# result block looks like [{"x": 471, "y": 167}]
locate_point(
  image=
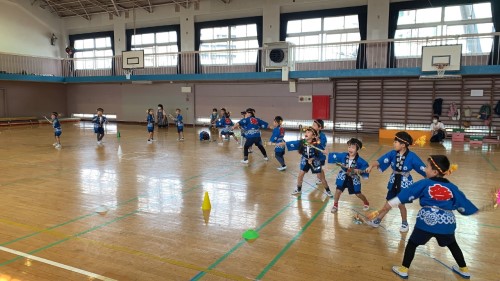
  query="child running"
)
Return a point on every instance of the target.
[
  {"x": 402, "y": 161},
  {"x": 438, "y": 198},
  {"x": 277, "y": 137},
  {"x": 352, "y": 167},
  {"x": 252, "y": 126},
  {"x": 99, "y": 121}
]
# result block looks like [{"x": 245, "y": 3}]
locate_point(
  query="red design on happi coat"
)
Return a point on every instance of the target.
[
  {"x": 254, "y": 121},
  {"x": 440, "y": 193}
]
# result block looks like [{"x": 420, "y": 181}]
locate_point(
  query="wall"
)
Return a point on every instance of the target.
[
  {"x": 130, "y": 101},
  {"x": 34, "y": 99},
  {"x": 28, "y": 30}
]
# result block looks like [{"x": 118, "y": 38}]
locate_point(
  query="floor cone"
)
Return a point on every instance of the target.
[{"x": 206, "y": 202}]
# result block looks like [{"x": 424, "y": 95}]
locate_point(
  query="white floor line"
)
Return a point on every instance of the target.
[{"x": 56, "y": 264}]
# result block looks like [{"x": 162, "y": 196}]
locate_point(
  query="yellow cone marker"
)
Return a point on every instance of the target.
[{"x": 206, "y": 202}]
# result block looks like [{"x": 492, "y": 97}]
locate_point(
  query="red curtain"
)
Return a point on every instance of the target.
[{"x": 321, "y": 107}]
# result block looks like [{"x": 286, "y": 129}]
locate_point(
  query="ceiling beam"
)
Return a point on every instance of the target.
[
  {"x": 53, "y": 4},
  {"x": 150, "y": 7},
  {"x": 105, "y": 8},
  {"x": 142, "y": 7},
  {"x": 116, "y": 8},
  {"x": 226, "y": 1},
  {"x": 85, "y": 10}
]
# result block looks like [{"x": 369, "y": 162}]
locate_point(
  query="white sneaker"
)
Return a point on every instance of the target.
[
  {"x": 266, "y": 158},
  {"x": 150, "y": 142},
  {"x": 462, "y": 271},
  {"x": 372, "y": 223},
  {"x": 244, "y": 161},
  {"x": 296, "y": 192},
  {"x": 220, "y": 143},
  {"x": 99, "y": 143},
  {"x": 366, "y": 207},
  {"x": 281, "y": 168},
  {"x": 401, "y": 271},
  {"x": 329, "y": 193},
  {"x": 58, "y": 146},
  {"x": 404, "y": 228},
  {"x": 334, "y": 209},
  {"x": 54, "y": 144}
]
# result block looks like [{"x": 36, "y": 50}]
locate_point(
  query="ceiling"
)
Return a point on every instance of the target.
[{"x": 87, "y": 8}]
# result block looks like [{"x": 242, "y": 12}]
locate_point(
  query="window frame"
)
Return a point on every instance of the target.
[
  {"x": 442, "y": 24},
  {"x": 94, "y": 36}
]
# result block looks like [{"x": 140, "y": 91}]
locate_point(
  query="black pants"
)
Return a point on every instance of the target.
[{"x": 251, "y": 141}]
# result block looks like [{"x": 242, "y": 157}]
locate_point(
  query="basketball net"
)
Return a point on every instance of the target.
[
  {"x": 441, "y": 69},
  {"x": 127, "y": 73}
]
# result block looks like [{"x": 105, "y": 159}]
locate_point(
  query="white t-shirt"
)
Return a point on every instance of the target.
[{"x": 436, "y": 127}]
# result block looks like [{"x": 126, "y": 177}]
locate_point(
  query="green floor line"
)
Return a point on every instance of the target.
[
  {"x": 489, "y": 162},
  {"x": 70, "y": 237},
  {"x": 291, "y": 242}
]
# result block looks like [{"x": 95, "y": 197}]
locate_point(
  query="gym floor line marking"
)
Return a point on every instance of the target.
[
  {"x": 291, "y": 242},
  {"x": 83, "y": 217},
  {"x": 489, "y": 162},
  {"x": 302, "y": 230},
  {"x": 133, "y": 252},
  {"x": 95, "y": 228},
  {"x": 56, "y": 264},
  {"x": 241, "y": 242}
]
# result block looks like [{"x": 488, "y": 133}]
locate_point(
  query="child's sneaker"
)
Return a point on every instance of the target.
[
  {"x": 401, "y": 271},
  {"x": 182, "y": 139},
  {"x": 54, "y": 144},
  {"x": 149, "y": 142},
  {"x": 58, "y": 146},
  {"x": 404, "y": 227},
  {"x": 266, "y": 158},
  {"x": 329, "y": 193},
  {"x": 296, "y": 192},
  {"x": 220, "y": 143},
  {"x": 244, "y": 161},
  {"x": 462, "y": 271},
  {"x": 281, "y": 168},
  {"x": 366, "y": 207},
  {"x": 373, "y": 223},
  {"x": 334, "y": 209}
]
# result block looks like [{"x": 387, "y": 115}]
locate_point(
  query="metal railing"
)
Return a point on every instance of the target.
[{"x": 335, "y": 56}]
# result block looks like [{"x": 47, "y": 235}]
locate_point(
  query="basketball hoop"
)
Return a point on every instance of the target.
[
  {"x": 440, "y": 68},
  {"x": 127, "y": 73}
]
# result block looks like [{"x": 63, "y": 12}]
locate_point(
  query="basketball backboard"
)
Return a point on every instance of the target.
[
  {"x": 133, "y": 59},
  {"x": 449, "y": 55}
]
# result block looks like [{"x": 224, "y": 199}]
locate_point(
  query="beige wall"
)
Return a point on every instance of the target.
[
  {"x": 130, "y": 101},
  {"x": 34, "y": 99}
]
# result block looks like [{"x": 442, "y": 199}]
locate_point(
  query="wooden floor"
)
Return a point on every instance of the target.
[{"x": 155, "y": 229}]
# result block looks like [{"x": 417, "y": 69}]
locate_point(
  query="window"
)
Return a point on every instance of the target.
[
  {"x": 229, "y": 45},
  {"x": 445, "y": 21},
  {"x": 93, "y": 53},
  {"x": 324, "y": 39},
  {"x": 160, "y": 48}
]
